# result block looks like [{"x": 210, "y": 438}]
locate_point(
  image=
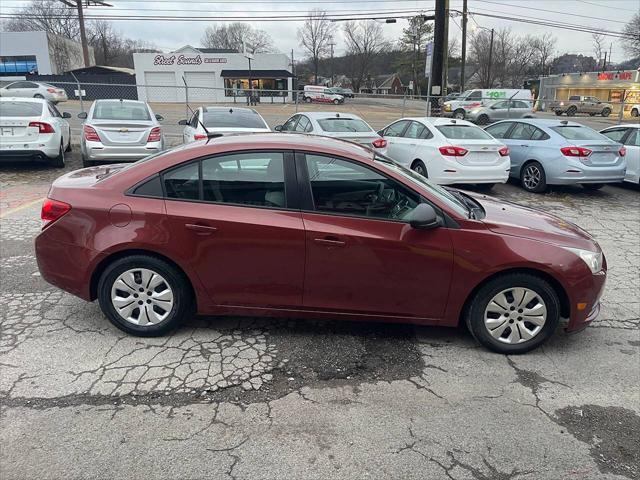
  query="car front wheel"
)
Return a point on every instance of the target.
[
  {"x": 514, "y": 313},
  {"x": 144, "y": 296},
  {"x": 606, "y": 112}
]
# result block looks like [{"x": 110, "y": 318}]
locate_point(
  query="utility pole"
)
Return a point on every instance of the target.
[
  {"x": 490, "y": 60},
  {"x": 464, "y": 44},
  {"x": 438, "y": 83},
  {"x": 332, "y": 44},
  {"x": 83, "y": 34}
]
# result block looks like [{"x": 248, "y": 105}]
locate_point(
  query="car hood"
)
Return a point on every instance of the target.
[{"x": 506, "y": 218}]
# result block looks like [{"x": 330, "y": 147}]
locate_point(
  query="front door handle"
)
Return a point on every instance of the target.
[
  {"x": 524, "y": 145},
  {"x": 330, "y": 241},
  {"x": 200, "y": 229}
]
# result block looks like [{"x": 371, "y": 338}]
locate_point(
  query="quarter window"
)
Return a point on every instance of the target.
[
  {"x": 634, "y": 138},
  {"x": 183, "y": 183},
  {"x": 499, "y": 130},
  {"x": 290, "y": 124},
  {"x": 304, "y": 125}
]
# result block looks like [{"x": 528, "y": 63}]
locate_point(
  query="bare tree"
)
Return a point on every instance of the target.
[
  {"x": 544, "y": 47},
  {"x": 598, "y": 46},
  {"x": 111, "y": 48},
  {"x": 51, "y": 16},
  {"x": 631, "y": 45},
  {"x": 365, "y": 40},
  {"x": 236, "y": 36},
  {"x": 315, "y": 36},
  {"x": 453, "y": 49}
]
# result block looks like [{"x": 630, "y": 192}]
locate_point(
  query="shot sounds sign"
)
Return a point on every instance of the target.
[{"x": 185, "y": 60}]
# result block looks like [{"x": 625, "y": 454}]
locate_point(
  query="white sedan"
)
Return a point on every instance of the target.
[
  {"x": 629, "y": 136},
  {"x": 33, "y": 129},
  {"x": 218, "y": 121},
  {"x": 24, "y": 88},
  {"x": 448, "y": 151}
]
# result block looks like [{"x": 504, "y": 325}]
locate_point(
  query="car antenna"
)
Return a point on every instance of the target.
[
  {"x": 453, "y": 120},
  {"x": 231, "y": 110},
  {"x": 209, "y": 135},
  {"x": 337, "y": 115}
]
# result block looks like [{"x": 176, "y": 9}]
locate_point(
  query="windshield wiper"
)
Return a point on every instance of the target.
[{"x": 466, "y": 203}]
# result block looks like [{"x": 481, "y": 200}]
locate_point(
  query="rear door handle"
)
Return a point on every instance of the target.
[
  {"x": 200, "y": 229},
  {"x": 330, "y": 241}
]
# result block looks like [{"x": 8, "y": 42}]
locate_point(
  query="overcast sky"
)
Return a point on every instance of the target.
[{"x": 169, "y": 35}]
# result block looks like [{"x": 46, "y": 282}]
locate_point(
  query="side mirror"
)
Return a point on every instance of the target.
[
  {"x": 159, "y": 117},
  {"x": 82, "y": 115},
  {"x": 278, "y": 128},
  {"x": 182, "y": 122},
  {"x": 66, "y": 115},
  {"x": 424, "y": 217}
]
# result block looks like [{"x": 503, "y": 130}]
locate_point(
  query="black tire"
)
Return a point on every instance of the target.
[
  {"x": 182, "y": 297},
  {"x": 420, "y": 168},
  {"x": 592, "y": 114},
  {"x": 69, "y": 148},
  {"x": 485, "y": 187},
  {"x": 307, "y": 99},
  {"x": 558, "y": 112},
  {"x": 459, "y": 114},
  {"x": 571, "y": 111},
  {"x": 483, "y": 119},
  {"x": 592, "y": 186},
  {"x": 634, "y": 112},
  {"x": 336, "y": 101},
  {"x": 37, "y": 95},
  {"x": 529, "y": 185},
  {"x": 606, "y": 112},
  {"x": 475, "y": 315},
  {"x": 87, "y": 163},
  {"x": 58, "y": 161}
]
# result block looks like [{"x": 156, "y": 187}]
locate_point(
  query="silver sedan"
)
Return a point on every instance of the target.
[
  {"x": 28, "y": 89},
  {"x": 120, "y": 131},
  {"x": 500, "y": 110}
]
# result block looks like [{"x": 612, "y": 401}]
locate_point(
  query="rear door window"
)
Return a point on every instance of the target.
[
  {"x": 396, "y": 129},
  {"x": 499, "y": 130},
  {"x": 290, "y": 124},
  {"x": 183, "y": 183},
  {"x": 414, "y": 130},
  {"x": 522, "y": 131},
  {"x": 304, "y": 125}
]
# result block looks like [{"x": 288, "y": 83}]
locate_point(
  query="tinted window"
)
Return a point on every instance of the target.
[
  {"x": 255, "y": 179},
  {"x": 291, "y": 123},
  {"x": 500, "y": 105},
  {"x": 194, "y": 120},
  {"x": 463, "y": 132},
  {"x": 11, "y": 86},
  {"x": 475, "y": 95},
  {"x": 499, "y": 130},
  {"x": 634, "y": 138},
  {"x": 615, "y": 135},
  {"x": 150, "y": 188},
  {"x": 20, "y": 109},
  {"x": 230, "y": 118},
  {"x": 539, "y": 135},
  {"x": 396, "y": 129},
  {"x": 183, "y": 182},
  {"x": 522, "y": 131},
  {"x": 121, "y": 111},
  {"x": 414, "y": 130},
  {"x": 304, "y": 125},
  {"x": 574, "y": 132},
  {"x": 346, "y": 188},
  {"x": 344, "y": 125},
  {"x": 519, "y": 104}
]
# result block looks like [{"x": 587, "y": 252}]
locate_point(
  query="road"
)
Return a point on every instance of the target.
[{"x": 264, "y": 398}]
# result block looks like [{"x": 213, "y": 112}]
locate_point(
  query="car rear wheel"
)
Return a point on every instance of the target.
[
  {"x": 514, "y": 313},
  {"x": 336, "y": 101},
  {"x": 571, "y": 111},
  {"x": 87, "y": 163},
  {"x": 58, "y": 161},
  {"x": 483, "y": 119},
  {"x": 307, "y": 99},
  {"x": 420, "y": 168},
  {"x": 459, "y": 114},
  {"x": 144, "y": 296},
  {"x": 533, "y": 178},
  {"x": 593, "y": 186},
  {"x": 606, "y": 112}
]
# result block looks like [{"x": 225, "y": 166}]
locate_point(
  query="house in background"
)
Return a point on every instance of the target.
[{"x": 383, "y": 85}]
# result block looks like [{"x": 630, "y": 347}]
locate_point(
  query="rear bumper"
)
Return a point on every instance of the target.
[
  {"x": 125, "y": 153},
  {"x": 46, "y": 147},
  {"x": 470, "y": 174},
  {"x": 26, "y": 155},
  {"x": 613, "y": 174}
]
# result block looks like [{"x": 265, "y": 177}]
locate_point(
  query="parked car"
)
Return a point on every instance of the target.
[
  {"x": 471, "y": 99},
  {"x": 559, "y": 152},
  {"x": 485, "y": 114},
  {"x": 120, "y": 131},
  {"x": 320, "y": 94},
  {"x": 337, "y": 125},
  {"x": 581, "y": 104},
  {"x": 447, "y": 151},
  {"x": 635, "y": 110},
  {"x": 219, "y": 121},
  {"x": 345, "y": 92},
  {"x": 33, "y": 129},
  {"x": 23, "y": 88},
  {"x": 210, "y": 228},
  {"x": 629, "y": 136}
]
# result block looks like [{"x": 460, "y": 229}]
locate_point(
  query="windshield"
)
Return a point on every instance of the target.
[
  {"x": 576, "y": 132},
  {"x": 20, "y": 109},
  {"x": 232, "y": 119},
  {"x": 463, "y": 132},
  {"x": 121, "y": 111},
  {"x": 464, "y": 94},
  {"x": 344, "y": 125},
  {"x": 436, "y": 190}
]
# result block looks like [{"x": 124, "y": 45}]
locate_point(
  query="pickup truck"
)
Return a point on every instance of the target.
[{"x": 581, "y": 104}]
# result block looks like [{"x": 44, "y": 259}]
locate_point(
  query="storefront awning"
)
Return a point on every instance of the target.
[{"x": 256, "y": 73}]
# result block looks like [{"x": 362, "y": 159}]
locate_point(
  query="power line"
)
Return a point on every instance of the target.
[
  {"x": 607, "y": 6},
  {"x": 551, "y": 11}
]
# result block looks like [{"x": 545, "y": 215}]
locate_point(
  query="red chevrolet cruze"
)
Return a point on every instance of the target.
[{"x": 303, "y": 226}]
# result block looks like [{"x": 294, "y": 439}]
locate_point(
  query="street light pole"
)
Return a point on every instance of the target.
[
  {"x": 83, "y": 34},
  {"x": 464, "y": 44},
  {"x": 332, "y": 44},
  {"x": 490, "y": 60}
]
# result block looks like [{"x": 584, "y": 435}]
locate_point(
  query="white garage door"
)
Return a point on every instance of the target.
[
  {"x": 161, "y": 86},
  {"x": 201, "y": 86}
]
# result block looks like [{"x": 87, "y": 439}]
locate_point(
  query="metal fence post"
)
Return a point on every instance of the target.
[
  {"x": 79, "y": 91},
  {"x": 404, "y": 102},
  {"x": 186, "y": 97},
  {"x": 621, "y": 114}
]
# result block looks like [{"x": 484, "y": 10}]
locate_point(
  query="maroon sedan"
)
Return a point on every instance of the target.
[{"x": 303, "y": 226}]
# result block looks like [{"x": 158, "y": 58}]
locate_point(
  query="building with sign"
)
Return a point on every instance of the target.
[
  {"x": 199, "y": 75},
  {"x": 614, "y": 86}
]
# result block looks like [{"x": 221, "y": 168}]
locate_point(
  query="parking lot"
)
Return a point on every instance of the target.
[{"x": 254, "y": 398}]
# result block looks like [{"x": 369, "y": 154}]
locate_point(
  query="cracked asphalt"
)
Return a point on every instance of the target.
[{"x": 246, "y": 398}]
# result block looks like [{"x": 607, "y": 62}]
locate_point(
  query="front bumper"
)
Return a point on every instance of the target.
[{"x": 588, "y": 292}]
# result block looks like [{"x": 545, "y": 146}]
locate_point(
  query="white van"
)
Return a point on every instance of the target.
[
  {"x": 322, "y": 94},
  {"x": 474, "y": 98}
]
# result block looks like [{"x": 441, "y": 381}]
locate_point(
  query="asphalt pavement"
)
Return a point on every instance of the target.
[{"x": 247, "y": 398}]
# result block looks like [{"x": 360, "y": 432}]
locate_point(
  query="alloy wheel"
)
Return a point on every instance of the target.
[
  {"x": 532, "y": 177},
  {"x": 142, "y": 297},
  {"x": 515, "y": 315},
  {"x": 419, "y": 170}
]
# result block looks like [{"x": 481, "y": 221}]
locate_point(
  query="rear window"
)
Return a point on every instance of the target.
[
  {"x": 20, "y": 109},
  {"x": 463, "y": 132},
  {"x": 232, "y": 119},
  {"x": 121, "y": 111},
  {"x": 344, "y": 125},
  {"x": 575, "y": 132}
]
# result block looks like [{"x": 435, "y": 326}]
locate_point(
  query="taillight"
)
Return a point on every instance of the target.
[
  {"x": 575, "y": 151},
  {"x": 504, "y": 151},
  {"x": 450, "y": 151},
  {"x": 52, "y": 210},
  {"x": 199, "y": 136},
  {"x": 42, "y": 127},
  {"x": 379, "y": 143},
  {"x": 52, "y": 90},
  {"x": 154, "y": 135},
  {"x": 90, "y": 134},
  {"x": 622, "y": 152}
]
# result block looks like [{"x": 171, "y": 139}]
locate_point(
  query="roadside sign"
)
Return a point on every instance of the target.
[
  {"x": 429, "y": 60},
  {"x": 78, "y": 93},
  {"x": 410, "y": 84}
]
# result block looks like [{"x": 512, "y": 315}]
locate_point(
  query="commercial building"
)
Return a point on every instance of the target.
[
  {"x": 208, "y": 75},
  {"x": 39, "y": 52},
  {"x": 612, "y": 86}
]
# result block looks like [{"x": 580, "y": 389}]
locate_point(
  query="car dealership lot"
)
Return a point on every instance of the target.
[{"x": 248, "y": 398}]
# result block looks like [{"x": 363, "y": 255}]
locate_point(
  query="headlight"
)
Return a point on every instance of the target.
[
  {"x": 592, "y": 259},
  {"x": 475, "y": 111}
]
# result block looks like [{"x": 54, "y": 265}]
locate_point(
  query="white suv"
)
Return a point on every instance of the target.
[{"x": 33, "y": 129}]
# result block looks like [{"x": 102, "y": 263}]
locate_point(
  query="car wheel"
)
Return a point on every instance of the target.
[
  {"x": 336, "y": 101},
  {"x": 558, "y": 112},
  {"x": 571, "y": 111},
  {"x": 634, "y": 112},
  {"x": 606, "y": 112},
  {"x": 533, "y": 178},
  {"x": 420, "y": 168},
  {"x": 69, "y": 148},
  {"x": 592, "y": 114},
  {"x": 483, "y": 119},
  {"x": 459, "y": 114},
  {"x": 307, "y": 99},
  {"x": 514, "y": 313},
  {"x": 144, "y": 296},
  {"x": 87, "y": 163},
  {"x": 37, "y": 95},
  {"x": 58, "y": 161},
  {"x": 593, "y": 186}
]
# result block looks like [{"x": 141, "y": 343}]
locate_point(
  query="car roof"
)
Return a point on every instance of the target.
[
  {"x": 323, "y": 115},
  {"x": 435, "y": 121},
  {"x": 123, "y": 100},
  {"x": 544, "y": 122},
  {"x": 622, "y": 125},
  {"x": 229, "y": 109},
  {"x": 23, "y": 99}
]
